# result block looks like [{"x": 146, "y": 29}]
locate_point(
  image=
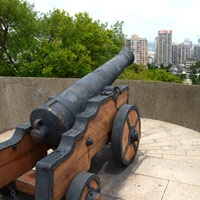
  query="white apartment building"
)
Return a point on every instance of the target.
[
  {"x": 164, "y": 47},
  {"x": 139, "y": 47}
]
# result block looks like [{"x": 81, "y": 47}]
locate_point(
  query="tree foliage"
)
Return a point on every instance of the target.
[
  {"x": 150, "y": 73},
  {"x": 18, "y": 26},
  {"x": 195, "y": 73},
  {"x": 54, "y": 44}
]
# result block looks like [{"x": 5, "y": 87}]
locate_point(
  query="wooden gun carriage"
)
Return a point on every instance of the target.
[{"x": 77, "y": 123}]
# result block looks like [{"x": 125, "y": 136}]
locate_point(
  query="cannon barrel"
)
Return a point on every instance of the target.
[{"x": 57, "y": 115}]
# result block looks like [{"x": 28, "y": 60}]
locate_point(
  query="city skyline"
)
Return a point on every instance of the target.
[{"x": 142, "y": 17}]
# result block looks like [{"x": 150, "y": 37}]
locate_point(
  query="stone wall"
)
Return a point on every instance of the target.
[{"x": 175, "y": 103}]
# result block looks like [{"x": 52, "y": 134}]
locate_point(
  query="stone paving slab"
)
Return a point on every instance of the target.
[
  {"x": 170, "y": 170},
  {"x": 157, "y": 136},
  {"x": 181, "y": 147},
  {"x": 186, "y": 159},
  {"x": 195, "y": 141},
  {"x": 193, "y": 152},
  {"x": 136, "y": 187},
  {"x": 166, "y": 152},
  {"x": 178, "y": 137},
  {"x": 161, "y": 144},
  {"x": 179, "y": 191},
  {"x": 167, "y": 166}
]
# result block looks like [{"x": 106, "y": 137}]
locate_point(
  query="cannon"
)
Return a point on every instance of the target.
[{"x": 76, "y": 124}]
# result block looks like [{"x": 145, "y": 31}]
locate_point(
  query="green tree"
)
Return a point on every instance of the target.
[
  {"x": 152, "y": 74},
  {"x": 151, "y": 66},
  {"x": 166, "y": 67},
  {"x": 195, "y": 73},
  {"x": 136, "y": 68},
  {"x": 70, "y": 46},
  {"x": 18, "y": 27}
]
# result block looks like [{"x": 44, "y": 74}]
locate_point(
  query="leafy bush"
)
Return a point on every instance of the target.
[{"x": 152, "y": 74}]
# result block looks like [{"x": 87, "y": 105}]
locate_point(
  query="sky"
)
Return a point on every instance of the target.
[{"x": 141, "y": 17}]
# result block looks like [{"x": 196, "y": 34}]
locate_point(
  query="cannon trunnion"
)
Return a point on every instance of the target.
[{"x": 106, "y": 118}]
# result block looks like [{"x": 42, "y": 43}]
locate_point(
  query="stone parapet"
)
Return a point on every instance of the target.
[{"x": 174, "y": 103}]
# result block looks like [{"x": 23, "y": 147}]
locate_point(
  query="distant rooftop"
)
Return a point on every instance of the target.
[{"x": 135, "y": 36}]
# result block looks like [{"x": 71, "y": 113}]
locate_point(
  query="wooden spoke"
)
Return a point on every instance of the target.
[
  {"x": 125, "y": 136},
  {"x": 84, "y": 194},
  {"x": 129, "y": 124},
  {"x": 136, "y": 123},
  {"x": 129, "y": 154},
  {"x": 132, "y": 116}
]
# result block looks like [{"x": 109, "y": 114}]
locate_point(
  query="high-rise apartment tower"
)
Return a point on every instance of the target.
[
  {"x": 164, "y": 47},
  {"x": 139, "y": 47},
  {"x": 179, "y": 53}
]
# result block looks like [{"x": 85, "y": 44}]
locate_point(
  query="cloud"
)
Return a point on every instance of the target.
[{"x": 143, "y": 17}]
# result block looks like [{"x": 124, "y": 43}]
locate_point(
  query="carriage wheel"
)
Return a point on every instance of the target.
[
  {"x": 126, "y": 134},
  {"x": 85, "y": 186}
]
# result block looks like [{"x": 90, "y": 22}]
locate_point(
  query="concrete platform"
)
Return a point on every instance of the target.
[{"x": 167, "y": 166}]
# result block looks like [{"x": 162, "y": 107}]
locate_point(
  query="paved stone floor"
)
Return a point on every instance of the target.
[{"x": 167, "y": 166}]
